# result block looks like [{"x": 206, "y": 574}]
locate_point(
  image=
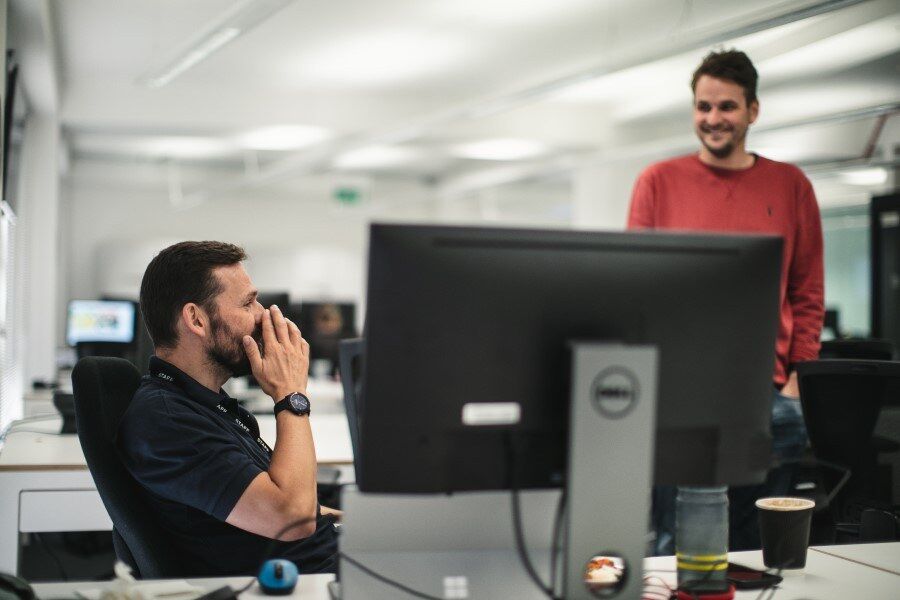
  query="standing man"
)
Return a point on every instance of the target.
[
  {"x": 724, "y": 188},
  {"x": 214, "y": 486}
]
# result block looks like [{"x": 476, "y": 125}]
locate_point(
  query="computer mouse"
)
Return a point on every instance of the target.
[
  {"x": 14, "y": 588},
  {"x": 277, "y": 577}
]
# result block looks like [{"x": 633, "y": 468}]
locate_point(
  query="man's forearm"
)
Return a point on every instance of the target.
[{"x": 293, "y": 466}]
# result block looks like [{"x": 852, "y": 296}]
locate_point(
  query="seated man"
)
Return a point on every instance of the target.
[{"x": 215, "y": 487}]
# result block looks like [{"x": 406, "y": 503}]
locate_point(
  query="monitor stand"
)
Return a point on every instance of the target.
[
  {"x": 462, "y": 545},
  {"x": 611, "y": 433}
]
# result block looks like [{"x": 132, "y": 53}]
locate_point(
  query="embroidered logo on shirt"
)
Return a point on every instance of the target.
[{"x": 162, "y": 375}]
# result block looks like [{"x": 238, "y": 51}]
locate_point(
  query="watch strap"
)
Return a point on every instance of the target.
[{"x": 285, "y": 403}]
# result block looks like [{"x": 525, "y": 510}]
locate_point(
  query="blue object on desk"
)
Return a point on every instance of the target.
[{"x": 278, "y": 577}]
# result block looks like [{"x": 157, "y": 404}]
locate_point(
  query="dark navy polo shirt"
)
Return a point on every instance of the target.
[{"x": 195, "y": 461}]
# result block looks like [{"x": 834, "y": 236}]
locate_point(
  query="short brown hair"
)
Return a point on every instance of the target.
[
  {"x": 730, "y": 65},
  {"x": 180, "y": 274}
]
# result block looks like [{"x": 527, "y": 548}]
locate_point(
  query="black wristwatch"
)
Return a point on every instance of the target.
[{"x": 296, "y": 402}]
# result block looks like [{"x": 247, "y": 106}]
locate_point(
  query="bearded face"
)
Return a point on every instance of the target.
[
  {"x": 722, "y": 116},
  {"x": 227, "y": 348}
]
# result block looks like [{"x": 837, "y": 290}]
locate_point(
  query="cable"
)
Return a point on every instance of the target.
[
  {"x": 396, "y": 584},
  {"x": 383, "y": 579},
  {"x": 773, "y": 587},
  {"x": 59, "y": 565},
  {"x": 246, "y": 587},
  {"x": 273, "y": 542},
  {"x": 556, "y": 546},
  {"x": 11, "y": 428},
  {"x": 521, "y": 547},
  {"x": 39, "y": 417},
  {"x": 653, "y": 591}
]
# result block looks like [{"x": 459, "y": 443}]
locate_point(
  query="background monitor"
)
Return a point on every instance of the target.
[
  {"x": 281, "y": 299},
  {"x": 460, "y": 315},
  {"x": 100, "y": 321},
  {"x": 324, "y": 324}
]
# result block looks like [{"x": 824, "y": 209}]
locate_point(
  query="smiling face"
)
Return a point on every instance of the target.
[
  {"x": 722, "y": 116},
  {"x": 237, "y": 313}
]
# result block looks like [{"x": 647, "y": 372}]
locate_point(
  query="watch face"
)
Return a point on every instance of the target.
[{"x": 299, "y": 403}]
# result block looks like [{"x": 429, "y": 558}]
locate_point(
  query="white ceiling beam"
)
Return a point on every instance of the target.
[
  {"x": 471, "y": 182},
  {"x": 318, "y": 158}
]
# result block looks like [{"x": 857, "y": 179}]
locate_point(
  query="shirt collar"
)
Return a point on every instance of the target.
[{"x": 169, "y": 373}]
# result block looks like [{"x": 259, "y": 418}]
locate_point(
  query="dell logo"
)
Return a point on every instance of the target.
[{"x": 615, "y": 392}]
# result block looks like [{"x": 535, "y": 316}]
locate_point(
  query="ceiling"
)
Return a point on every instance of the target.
[{"x": 441, "y": 90}]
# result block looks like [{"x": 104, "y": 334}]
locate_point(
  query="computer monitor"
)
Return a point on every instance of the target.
[
  {"x": 100, "y": 322},
  {"x": 468, "y": 315},
  {"x": 281, "y": 299}
]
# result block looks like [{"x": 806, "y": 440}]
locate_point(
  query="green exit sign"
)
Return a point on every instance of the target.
[{"x": 347, "y": 195}]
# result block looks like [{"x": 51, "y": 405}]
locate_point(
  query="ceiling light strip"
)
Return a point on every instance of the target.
[{"x": 237, "y": 20}]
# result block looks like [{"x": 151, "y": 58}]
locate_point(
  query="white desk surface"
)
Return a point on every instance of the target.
[
  {"x": 884, "y": 556},
  {"x": 309, "y": 587},
  {"x": 37, "y": 446},
  {"x": 826, "y": 577}
]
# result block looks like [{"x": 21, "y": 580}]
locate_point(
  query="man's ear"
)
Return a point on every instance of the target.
[
  {"x": 754, "y": 111},
  {"x": 195, "y": 320}
]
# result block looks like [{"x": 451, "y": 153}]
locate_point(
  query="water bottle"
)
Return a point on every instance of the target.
[{"x": 701, "y": 538}]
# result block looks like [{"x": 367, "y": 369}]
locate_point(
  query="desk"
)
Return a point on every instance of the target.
[
  {"x": 884, "y": 556},
  {"x": 309, "y": 587},
  {"x": 826, "y": 577},
  {"x": 45, "y": 484}
]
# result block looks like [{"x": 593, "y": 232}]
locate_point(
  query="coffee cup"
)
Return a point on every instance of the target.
[{"x": 784, "y": 528}]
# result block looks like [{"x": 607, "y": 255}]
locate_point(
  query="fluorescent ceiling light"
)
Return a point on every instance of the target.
[
  {"x": 383, "y": 57},
  {"x": 186, "y": 147},
  {"x": 875, "y": 176},
  {"x": 500, "y": 149},
  {"x": 376, "y": 157},
  {"x": 283, "y": 137},
  {"x": 193, "y": 56},
  {"x": 240, "y": 18}
]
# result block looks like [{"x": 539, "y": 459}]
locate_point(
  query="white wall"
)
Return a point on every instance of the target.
[
  {"x": 38, "y": 237},
  {"x": 298, "y": 237}
]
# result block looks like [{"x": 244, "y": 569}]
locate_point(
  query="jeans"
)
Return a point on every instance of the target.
[{"x": 788, "y": 443}]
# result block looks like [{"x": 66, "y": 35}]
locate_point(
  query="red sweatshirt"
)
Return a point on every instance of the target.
[{"x": 769, "y": 197}]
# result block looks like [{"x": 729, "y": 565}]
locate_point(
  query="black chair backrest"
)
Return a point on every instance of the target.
[
  {"x": 858, "y": 349},
  {"x": 351, "y": 356},
  {"x": 842, "y": 400},
  {"x": 103, "y": 388}
]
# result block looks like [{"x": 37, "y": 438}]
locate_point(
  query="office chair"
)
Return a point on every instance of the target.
[
  {"x": 842, "y": 400},
  {"x": 864, "y": 349},
  {"x": 351, "y": 356},
  {"x": 858, "y": 348},
  {"x": 103, "y": 388}
]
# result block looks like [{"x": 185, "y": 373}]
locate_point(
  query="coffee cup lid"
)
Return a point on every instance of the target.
[{"x": 785, "y": 503}]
